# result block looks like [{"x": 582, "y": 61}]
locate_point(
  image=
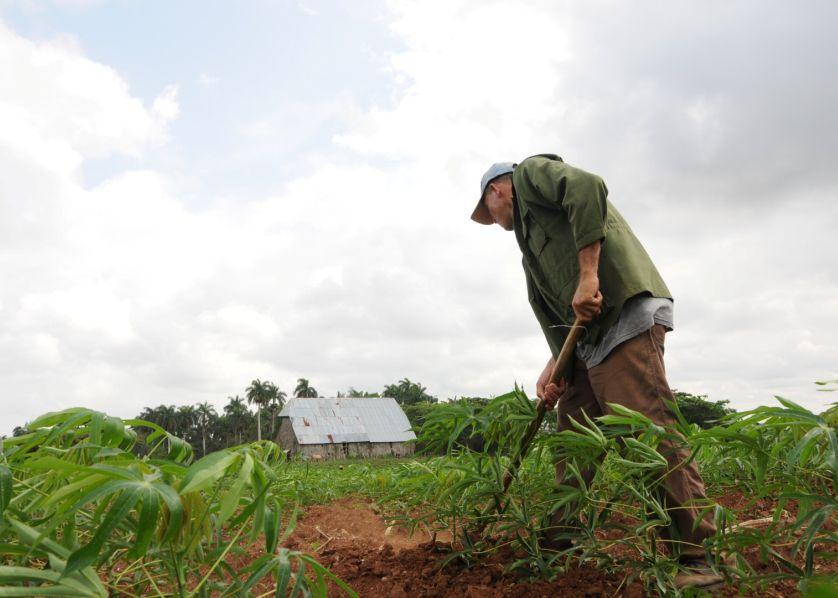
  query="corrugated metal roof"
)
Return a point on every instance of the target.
[{"x": 326, "y": 420}]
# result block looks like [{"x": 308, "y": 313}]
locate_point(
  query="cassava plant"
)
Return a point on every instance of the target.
[
  {"x": 783, "y": 452},
  {"x": 82, "y": 515},
  {"x": 786, "y": 452}
]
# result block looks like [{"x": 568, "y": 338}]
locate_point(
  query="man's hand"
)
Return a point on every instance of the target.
[
  {"x": 587, "y": 301},
  {"x": 547, "y": 391}
]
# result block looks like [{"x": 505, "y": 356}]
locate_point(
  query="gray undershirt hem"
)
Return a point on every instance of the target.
[{"x": 638, "y": 315}]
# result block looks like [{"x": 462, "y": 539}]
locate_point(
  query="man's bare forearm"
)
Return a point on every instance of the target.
[
  {"x": 589, "y": 260},
  {"x": 587, "y": 301}
]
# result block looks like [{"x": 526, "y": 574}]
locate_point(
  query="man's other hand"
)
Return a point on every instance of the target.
[
  {"x": 587, "y": 301},
  {"x": 552, "y": 394},
  {"x": 547, "y": 391}
]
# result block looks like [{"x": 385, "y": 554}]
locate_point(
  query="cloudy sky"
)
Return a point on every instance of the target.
[{"x": 196, "y": 194}]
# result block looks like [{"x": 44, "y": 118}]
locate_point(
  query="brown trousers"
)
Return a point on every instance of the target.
[{"x": 633, "y": 375}]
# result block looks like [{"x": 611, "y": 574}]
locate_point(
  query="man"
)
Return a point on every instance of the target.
[{"x": 581, "y": 260}]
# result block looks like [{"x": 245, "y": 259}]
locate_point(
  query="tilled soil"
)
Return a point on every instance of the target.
[{"x": 376, "y": 560}]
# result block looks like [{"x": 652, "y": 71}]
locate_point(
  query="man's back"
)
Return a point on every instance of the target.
[{"x": 559, "y": 210}]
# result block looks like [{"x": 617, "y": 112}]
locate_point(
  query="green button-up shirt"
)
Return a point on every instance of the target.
[{"x": 559, "y": 210}]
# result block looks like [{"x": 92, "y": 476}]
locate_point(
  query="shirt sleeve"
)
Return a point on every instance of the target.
[
  {"x": 581, "y": 195},
  {"x": 554, "y": 336}
]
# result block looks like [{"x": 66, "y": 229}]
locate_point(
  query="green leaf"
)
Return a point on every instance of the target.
[
  {"x": 258, "y": 569},
  {"x": 321, "y": 570},
  {"x": 62, "y": 587},
  {"x": 55, "y": 418},
  {"x": 14, "y": 550},
  {"x": 73, "y": 487},
  {"x": 96, "y": 428},
  {"x": 86, "y": 555},
  {"x": 272, "y": 523},
  {"x": 64, "y": 466},
  {"x": 176, "y": 511},
  {"x": 5, "y": 488},
  {"x": 39, "y": 576},
  {"x": 147, "y": 523},
  {"x": 301, "y": 579},
  {"x": 646, "y": 451},
  {"x": 292, "y": 524},
  {"x": 178, "y": 450},
  {"x": 113, "y": 431},
  {"x": 93, "y": 497},
  {"x": 234, "y": 494},
  {"x": 823, "y": 587},
  {"x": 283, "y": 576},
  {"x": 207, "y": 470},
  {"x": 34, "y": 538},
  {"x": 803, "y": 448},
  {"x": 791, "y": 405}
]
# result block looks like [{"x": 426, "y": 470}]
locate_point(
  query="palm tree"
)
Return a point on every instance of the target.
[
  {"x": 238, "y": 416},
  {"x": 162, "y": 415},
  {"x": 204, "y": 416},
  {"x": 168, "y": 418},
  {"x": 259, "y": 393},
  {"x": 304, "y": 390},
  {"x": 408, "y": 393},
  {"x": 185, "y": 419},
  {"x": 361, "y": 394},
  {"x": 276, "y": 403}
]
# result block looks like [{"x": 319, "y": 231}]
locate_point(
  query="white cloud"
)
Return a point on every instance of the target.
[
  {"x": 367, "y": 269},
  {"x": 724, "y": 186},
  {"x": 65, "y": 104},
  {"x": 207, "y": 80},
  {"x": 165, "y": 106},
  {"x": 76, "y": 262},
  {"x": 306, "y": 9}
]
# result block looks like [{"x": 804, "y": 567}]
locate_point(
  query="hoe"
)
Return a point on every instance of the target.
[{"x": 562, "y": 363}]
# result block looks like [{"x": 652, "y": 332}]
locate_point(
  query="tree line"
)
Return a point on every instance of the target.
[{"x": 207, "y": 430}]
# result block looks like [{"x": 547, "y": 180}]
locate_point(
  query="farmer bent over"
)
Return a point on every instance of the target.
[{"x": 581, "y": 260}]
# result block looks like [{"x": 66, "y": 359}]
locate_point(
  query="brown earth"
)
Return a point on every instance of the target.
[
  {"x": 379, "y": 560},
  {"x": 376, "y": 560},
  {"x": 355, "y": 543}
]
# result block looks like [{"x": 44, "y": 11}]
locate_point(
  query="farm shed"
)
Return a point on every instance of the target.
[{"x": 345, "y": 427}]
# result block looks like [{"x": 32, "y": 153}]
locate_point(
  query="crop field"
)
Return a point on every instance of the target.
[{"x": 85, "y": 513}]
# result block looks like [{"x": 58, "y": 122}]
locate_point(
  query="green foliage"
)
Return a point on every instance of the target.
[
  {"x": 264, "y": 395},
  {"x": 304, "y": 389},
  {"x": 353, "y": 393},
  {"x": 91, "y": 505},
  {"x": 696, "y": 409},
  {"x": 417, "y": 412},
  {"x": 208, "y": 431},
  {"x": 330, "y": 480},
  {"x": 82, "y": 515},
  {"x": 785, "y": 452},
  {"x": 408, "y": 393},
  {"x": 831, "y": 384}
]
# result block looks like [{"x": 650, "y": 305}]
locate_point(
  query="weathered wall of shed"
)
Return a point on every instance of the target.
[
  {"x": 346, "y": 450},
  {"x": 286, "y": 437}
]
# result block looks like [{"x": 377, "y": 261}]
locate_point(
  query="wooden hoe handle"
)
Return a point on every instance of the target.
[{"x": 562, "y": 363}]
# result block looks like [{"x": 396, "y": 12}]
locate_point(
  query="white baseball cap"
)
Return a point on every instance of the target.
[{"x": 481, "y": 212}]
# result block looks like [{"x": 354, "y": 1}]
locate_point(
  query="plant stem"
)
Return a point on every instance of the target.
[{"x": 219, "y": 559}]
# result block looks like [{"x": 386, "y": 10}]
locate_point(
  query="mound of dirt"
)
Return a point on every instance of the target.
[
  {"x": 377, "y": 560},
  {"x": 349, "y": 522},
  {"x": 356, "y": 544}
]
